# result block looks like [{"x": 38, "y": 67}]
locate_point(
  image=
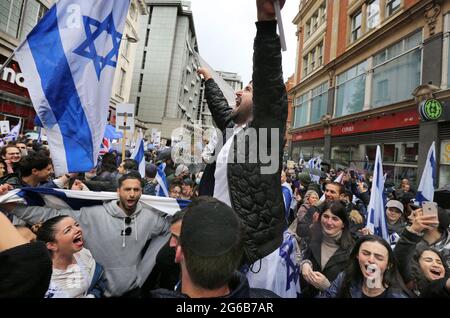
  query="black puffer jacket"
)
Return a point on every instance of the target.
[{"x": 256, "y": 197}]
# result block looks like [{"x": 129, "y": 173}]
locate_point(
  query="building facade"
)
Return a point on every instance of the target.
[
  {"x": 362, "y": 69},
  {"x": 165, "y": 86},
  {"x": 17, "y": 19},
  {"x": 123, "y": 76}
]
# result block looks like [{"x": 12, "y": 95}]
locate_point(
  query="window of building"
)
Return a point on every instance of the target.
[
  {"x": 11, "y": 16},
  {"x": 356, "y": 26},
  {"x": 350, "y": 90},
  {"x": 144, "y": 57},
  {"x": 397, "y": 71},
  {"x": 307, "y": 30},
  {"x": 317, "y": 19},
  {"x": 392, "y": 6},
  {"x": 126, "y": 48},
  {"x": 373, "y": 14},
  {"x": 150, "y": 11},
  {"x": 138, "y": 103},
  {"x": 323, "y": 12},
  {"x": 147, "y": 35},
  {"x": 122, "y": 81},
  {"x": 301, "y": 111},
  {"x": 42, "y": 11},
  {"x": 313, "y": 59},
  {"x": 305, "y": 66},
  {"x": 319, "y": 51},
  {"x": 141, "y": 80},
  {"x": 319, "y": 101}
]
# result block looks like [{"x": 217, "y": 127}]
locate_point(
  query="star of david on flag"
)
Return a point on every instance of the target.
[
  {"x": 70, "y": 58},
  {"x": 88, "y": 49}
]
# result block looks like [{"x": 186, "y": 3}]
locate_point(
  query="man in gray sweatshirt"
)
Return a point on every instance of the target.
[{"x": 122, "y": 235}]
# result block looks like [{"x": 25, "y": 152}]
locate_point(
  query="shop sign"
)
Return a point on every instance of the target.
[
  {"x": 431, "y": 109},
  {"x": 445, "y": 152}
]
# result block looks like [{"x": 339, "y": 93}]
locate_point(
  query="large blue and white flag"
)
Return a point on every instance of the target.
[
  {"x": 278, "y": 271},
  {"x": 425, "y": 192},
  {"x": 138, "y": 155},
  {"x": 376, "y": 217},
  {"x": 161, "y": 188},
  {"x": 63, "y": 199},
  {"x": 69, "y": 59}
]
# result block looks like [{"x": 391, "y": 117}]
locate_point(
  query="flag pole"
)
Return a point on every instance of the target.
[
  {"x": 2, "y": 67},
  {"x": 124, "y": 139}
]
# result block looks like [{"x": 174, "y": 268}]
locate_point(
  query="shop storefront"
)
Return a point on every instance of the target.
[
  {"x": 307, "y": 145},
  {"x": 354, "y": 144},
  {"x": 444, "y": 162},
  {"x": 15, "y": 103}
]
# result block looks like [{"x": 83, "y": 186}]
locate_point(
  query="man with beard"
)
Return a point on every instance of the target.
[
  {"x": 121, "y": 234},
  {"x": 261, "y": 109}
]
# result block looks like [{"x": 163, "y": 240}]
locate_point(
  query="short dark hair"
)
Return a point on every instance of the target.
[
  {"x": 177, "y": 216},
  {"x": 32, "y": 161},
  {"x": 339, "y": 185},
  {"x": 9, "y": 145},
  {"x": 213, "y": 271},
  {"x": 130, "y": 175},
  {"x": 130, "y": 164}
]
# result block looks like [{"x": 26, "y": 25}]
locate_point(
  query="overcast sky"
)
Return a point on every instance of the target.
[{"x": 225, "y": 31}]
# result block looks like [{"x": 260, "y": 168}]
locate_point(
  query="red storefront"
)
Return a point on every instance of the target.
[
  {"x": 352, "y": 141},
  {"x": 15, "y": 102}
]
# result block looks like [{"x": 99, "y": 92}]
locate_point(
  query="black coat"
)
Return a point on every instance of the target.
[
  {"x": 336, "y": 264},
  {"x": 25, "y": 271},
  {"x": 256, "y": 197}
]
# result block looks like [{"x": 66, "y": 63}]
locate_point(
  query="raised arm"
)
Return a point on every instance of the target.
[
  {"x": 217, "y": 103},
  {"x": 269, "y": 92}
]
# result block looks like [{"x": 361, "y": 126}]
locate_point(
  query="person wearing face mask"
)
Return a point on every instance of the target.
[
  {"x": 371, "y": 272},
  {"x": 327, "y": 253},
  {"x": 75, "y": 274}
]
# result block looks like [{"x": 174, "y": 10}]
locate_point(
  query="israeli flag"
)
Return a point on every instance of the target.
[
  {"x": 71, "y": 199},
  {"x": 287, "y": 197},
  {"x": 69, "y": 59},
  {"x": 14, "y": 132},
  {"x": 138, "y": 155},
  {"x": 376, "y": 218},
  {"x": 278, "y": 271},
  {"x": 425, "y": 192},
  {"x": 161, "y": 188}
]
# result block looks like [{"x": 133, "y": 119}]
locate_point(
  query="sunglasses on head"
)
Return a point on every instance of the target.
[{"x": 128, "y": 230}]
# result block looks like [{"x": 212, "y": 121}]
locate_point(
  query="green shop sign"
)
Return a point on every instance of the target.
[{"x": 431, "y": 109}]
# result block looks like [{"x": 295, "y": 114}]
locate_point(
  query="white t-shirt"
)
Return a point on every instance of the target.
[
  {"x": 221, "y": 191},
  {"x": 73, "y": 282}
]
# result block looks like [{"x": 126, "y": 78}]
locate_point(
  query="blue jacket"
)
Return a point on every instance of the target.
[
  {"x": 98, "y": 283},
  {"x": 356, "y": 290}
]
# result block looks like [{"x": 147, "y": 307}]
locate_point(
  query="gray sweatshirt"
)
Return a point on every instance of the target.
[{"x": 121, "y": 256}]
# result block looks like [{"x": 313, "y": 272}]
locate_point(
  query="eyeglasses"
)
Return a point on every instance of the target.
[{"x": 128, "y": 230}]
